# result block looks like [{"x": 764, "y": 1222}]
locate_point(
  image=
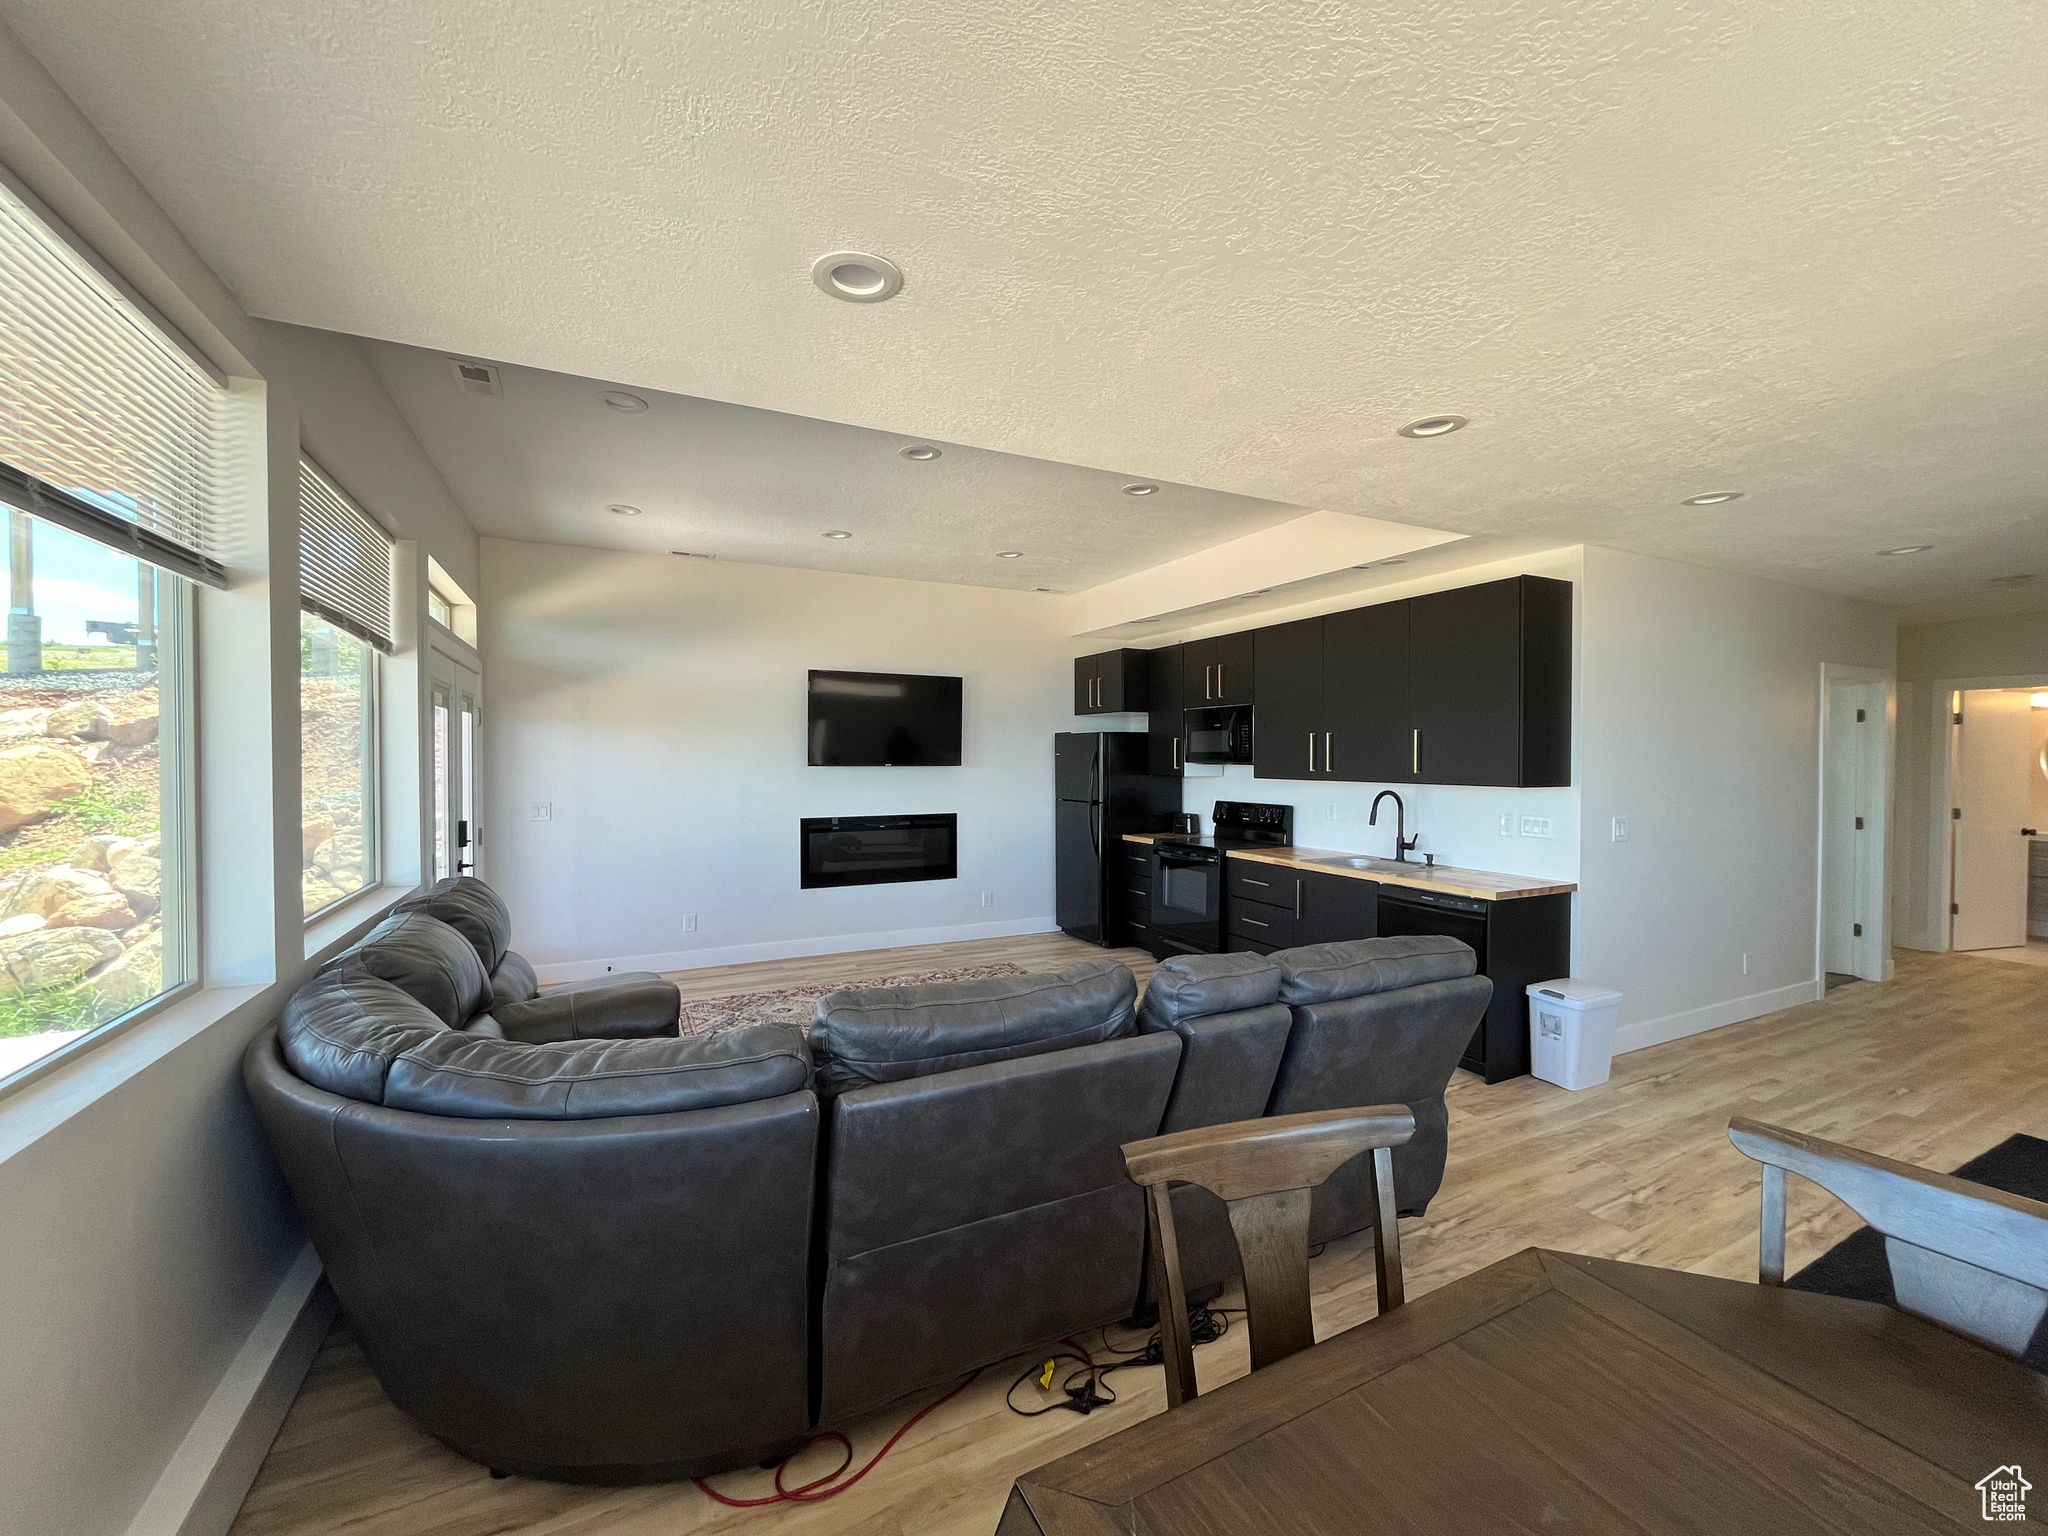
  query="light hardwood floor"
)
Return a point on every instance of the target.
[{"x": 1934, "y": 1067}]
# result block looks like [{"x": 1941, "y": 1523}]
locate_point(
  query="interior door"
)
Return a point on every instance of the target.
[
  {"x": 455, "y": 746},
  {"x": 1365, "y": 695},
  {"x": 1990, "y": 852},
  {"x": 1287, "y": 733},
  {"x": 1852, "y": 836}
]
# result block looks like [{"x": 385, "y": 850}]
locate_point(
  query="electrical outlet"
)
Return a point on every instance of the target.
[
  {"x": 1535, "y": 826},
  {"x": 543, "y": 810},
  {"x": 1621, "y": 829},
  {"x": 1507, "y": 825},
  {"x": 689, "y": 922},
  {"x": 1329, "y": 813},
  {"x": 1745, "y": 962},
  {"x": 988, "y": 898}
]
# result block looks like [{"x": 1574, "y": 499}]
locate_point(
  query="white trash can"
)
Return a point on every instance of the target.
[{"x": 1571, "y": 1031}]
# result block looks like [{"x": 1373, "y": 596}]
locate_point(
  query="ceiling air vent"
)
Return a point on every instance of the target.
[
  {"x": 478, "y": 379},
  {"x": 691, "y": 554}
]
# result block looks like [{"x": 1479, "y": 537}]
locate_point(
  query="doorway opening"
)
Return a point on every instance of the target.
[
  {"x": 1853, "y": 942},
  {"x": 454, "y": 752},
  {"x": 1998, "y": 811}
]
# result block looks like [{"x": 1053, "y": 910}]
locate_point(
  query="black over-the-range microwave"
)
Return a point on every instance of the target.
[{"x": 1219, "y": 735}]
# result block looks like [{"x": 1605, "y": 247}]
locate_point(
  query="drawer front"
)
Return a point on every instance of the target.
[
  {"x": 1259, "y": 922},
  {"x": 1237, "y": 944},
  {"x": 1260, "y": 882}
]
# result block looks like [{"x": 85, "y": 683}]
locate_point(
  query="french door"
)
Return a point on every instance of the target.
[{"x": 455, "y": 744}]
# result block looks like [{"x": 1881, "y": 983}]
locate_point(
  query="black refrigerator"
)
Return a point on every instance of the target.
[{"x": 1101, "y": 790}]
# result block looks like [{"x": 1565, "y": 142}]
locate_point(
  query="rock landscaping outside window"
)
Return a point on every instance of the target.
[
  {"x": 81, "y": 792},
  {"x": 337, "y": 746}
]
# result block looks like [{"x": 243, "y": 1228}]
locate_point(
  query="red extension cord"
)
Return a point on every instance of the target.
[{"x": 818, "y": 1489}]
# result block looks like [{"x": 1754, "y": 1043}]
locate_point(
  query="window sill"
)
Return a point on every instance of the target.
[{"x": 334, "y": 928}]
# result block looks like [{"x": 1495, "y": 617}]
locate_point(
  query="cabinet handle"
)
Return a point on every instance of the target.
[
  {"x": 1095, "y": 691},
  {"x": 1326, "y": 751},
  {"x": 1252, "y": 922},
  {"x": 1208, "y": 682},
  {"x": 1297, "y": 898},
  {"x": 1259, "y": 883},
  {"x": 1219, "y": 680},
  {"x": 1311, "y": 751},
  {"x": 1415, "y": 751},
  {"x": 1176, "y": 754}
]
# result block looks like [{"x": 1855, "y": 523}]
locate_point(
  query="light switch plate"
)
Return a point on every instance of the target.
[
  {"x": 988, "y": 898},
  {"x": 689, "y": 922},
  {"x": 543, "y": 810},
  {"x": 1330, "y": 812},
  {"x": 1507, "y": 825},
  {"x": 1535, "y": 826},
  {"x": 1621, "y": 829}
]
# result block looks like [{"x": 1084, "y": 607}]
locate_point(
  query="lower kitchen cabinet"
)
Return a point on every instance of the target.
[
  {"x": 1268, "y": 907},
  {"x": 1136, "y": 906}
]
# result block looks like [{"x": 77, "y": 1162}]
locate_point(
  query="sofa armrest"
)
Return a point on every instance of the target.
[{"x": 629, "y": 1009}]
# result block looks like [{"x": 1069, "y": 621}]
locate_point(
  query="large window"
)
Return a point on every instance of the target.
[
  {"x": 113, "y": 438},
  {"x": 344, "y": 623}
]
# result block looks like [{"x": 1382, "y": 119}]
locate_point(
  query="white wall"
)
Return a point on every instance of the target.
[
  {"x": 2013, "y": 648},
  {"x": 153, "y": 1277},
  {"x": 1700, "y": 697},
  {"x": 658, "y": 704}
]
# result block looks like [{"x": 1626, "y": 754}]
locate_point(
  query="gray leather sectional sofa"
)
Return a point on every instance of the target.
[{"x": 577, "y": 1246}]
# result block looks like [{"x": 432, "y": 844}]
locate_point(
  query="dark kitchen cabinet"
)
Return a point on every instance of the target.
[
  {"x": 1269, "y": 906},
  {"x": 1218, "y": 670},
  {"x": 1288, "y": 724},
  {"x": 1489, "y": 683},
  {"x": 1164, "y": 744},
  {"x": 1112, "y": 683},
  {"x": 1366, "y": 695},
  {"x": 1331, "y": 908}
]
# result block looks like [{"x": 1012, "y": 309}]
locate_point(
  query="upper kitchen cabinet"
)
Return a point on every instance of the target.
[
  {"x": 1287, "y": 738},
  {"x": 1165, "y": 748},
  {"x": 1113, "y": 683},
  {"x": 1368, "y": 736},
  {"x": 1489, "y": 684},
  {"x": 1218, "y": 670}
]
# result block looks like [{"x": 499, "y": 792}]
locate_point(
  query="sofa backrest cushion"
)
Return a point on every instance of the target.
[
  {"x": 888, "y": 1034},
  {"x": 475, "y": 1077},
  {"x": 427, "y": 960},
  {"x": 1323, "y": 973},
  {"x": 360, "y": 1036},
  {"x": 343, "y": 1029},
  {"x": 473, "y": 910},
  {"x": 1197, "y": 986}
]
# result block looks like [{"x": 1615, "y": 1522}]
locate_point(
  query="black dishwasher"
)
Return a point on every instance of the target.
[{"x": 1517, "y": 941}]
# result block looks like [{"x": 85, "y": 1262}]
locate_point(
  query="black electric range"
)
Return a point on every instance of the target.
[{"x": 1187, "y": 875}]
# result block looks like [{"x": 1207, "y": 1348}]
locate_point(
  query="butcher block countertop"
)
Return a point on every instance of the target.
[{"x": 1480, "y": 884}]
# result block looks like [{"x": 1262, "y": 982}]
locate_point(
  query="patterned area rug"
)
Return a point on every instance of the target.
[{"x": 794, "y": 1005}]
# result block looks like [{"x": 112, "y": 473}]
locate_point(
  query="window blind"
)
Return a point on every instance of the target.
[
  {"x": 344, "y": 560},
  {"x": 106, "y": 425}
]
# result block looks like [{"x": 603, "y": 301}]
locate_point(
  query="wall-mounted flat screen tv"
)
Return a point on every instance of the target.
[{"x": 884, "y": 720}]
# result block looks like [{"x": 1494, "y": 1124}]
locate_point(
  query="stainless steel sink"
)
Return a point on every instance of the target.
[{"x": 1361, "y": 862}]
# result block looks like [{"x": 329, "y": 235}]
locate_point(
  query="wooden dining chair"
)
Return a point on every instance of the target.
[
  {"x": 1264, "y": 1170},
  {"x": 1966, "y": 1256}
]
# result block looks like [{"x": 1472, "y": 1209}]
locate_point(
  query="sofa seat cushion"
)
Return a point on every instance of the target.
[
  {"x": 1323, "y": 973},
  {"x": 889, "y": 1034},
  {"x": 427, "y": 960},
  {"x": 474, "y": 1077},
  {"x": 473, "y": 910},
  {"x": 1197, "y": 986}
]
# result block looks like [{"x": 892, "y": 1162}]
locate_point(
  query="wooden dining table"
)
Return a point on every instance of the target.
[{"x": 1552, "y": 1392}]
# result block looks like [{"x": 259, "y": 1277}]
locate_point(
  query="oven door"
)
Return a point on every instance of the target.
[{"x": 1187, "y": 901}]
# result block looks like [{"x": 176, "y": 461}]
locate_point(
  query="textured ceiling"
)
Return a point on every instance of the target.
[
  {"x": 546, "y": 460},
  {"x": 1651, "y": 247}
]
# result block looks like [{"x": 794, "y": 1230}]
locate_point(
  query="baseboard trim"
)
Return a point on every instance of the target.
[
  {"x": 790, "y": 949},
  {"x": 1697, "y": 1021},
  {"x": 209, "y": 1475}
]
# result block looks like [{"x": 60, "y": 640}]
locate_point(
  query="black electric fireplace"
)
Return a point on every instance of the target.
[{"x": 878, "y": 850}]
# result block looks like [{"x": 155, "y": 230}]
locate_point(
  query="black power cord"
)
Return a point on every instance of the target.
[{"x": 1083, "y": 1390}]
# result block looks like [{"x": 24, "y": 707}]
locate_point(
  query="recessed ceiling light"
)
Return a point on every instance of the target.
[
  {"x": 1434, "y": 426},
  {"x": 924, "y": 453},
  {"x": 1141, "y": 488},
  {"x": 1009, "y": 554},
  {"x": 1711, "y": 499},
  {"x": 1907, "y": 549},
  {"x": 837, "y": 533},
  {"x": 619, "y": 400},
  {"x": 2012, "y": 581},
  {"x": 857, "y": 277},
  {"x": 623, "y": 510}
]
